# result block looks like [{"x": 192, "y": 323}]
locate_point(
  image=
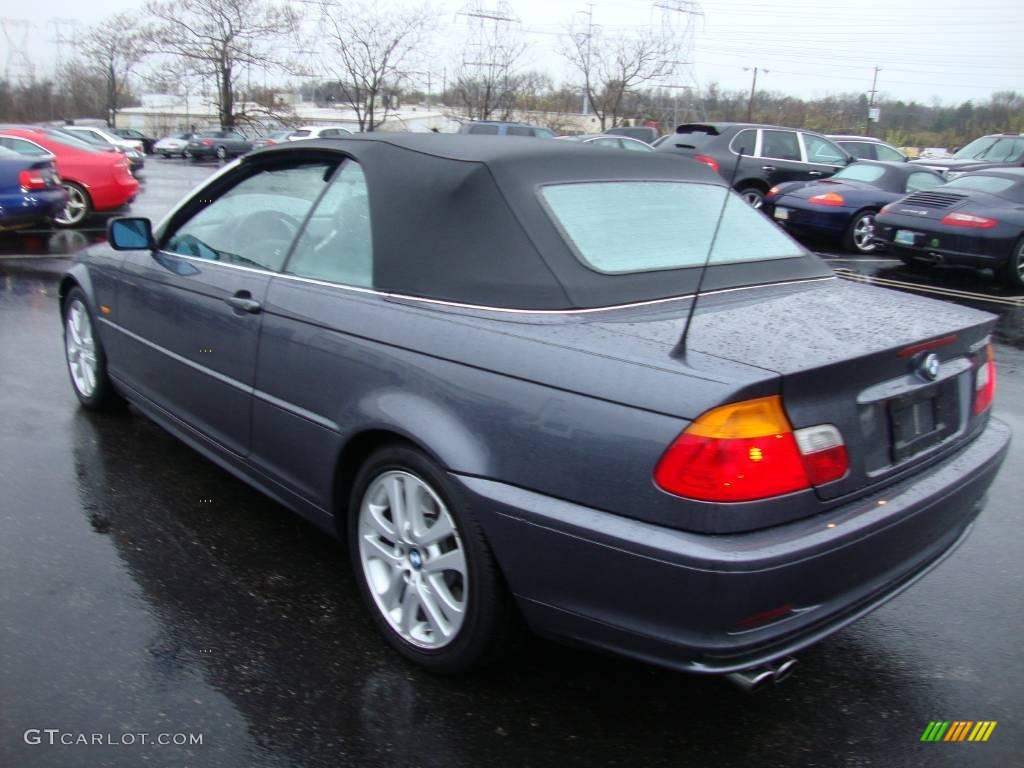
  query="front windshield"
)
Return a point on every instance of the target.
[
  {"x": 69, "y": 140},
  {"x": 638, "y": 226}
]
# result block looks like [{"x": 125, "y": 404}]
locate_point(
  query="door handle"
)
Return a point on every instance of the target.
[
  {"x": 243, "y": 302},
  {"x": 768, "y": 168},
  {"x": 814, "y": 173}
]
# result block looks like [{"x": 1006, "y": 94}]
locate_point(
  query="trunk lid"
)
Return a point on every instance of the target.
[{"x": 854, "y": 356}]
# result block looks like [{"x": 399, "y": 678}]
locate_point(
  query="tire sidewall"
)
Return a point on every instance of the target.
[
  {"x": 851, "y": 243},
  {"x": 483, "y": 590},
  {"x": 103, "y": 393},
  {"x": 1011, "y": 276},
  {"x": 753, "y": 191}
]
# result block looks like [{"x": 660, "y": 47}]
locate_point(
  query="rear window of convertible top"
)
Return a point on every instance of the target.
[{"x": 638, "y": 226}]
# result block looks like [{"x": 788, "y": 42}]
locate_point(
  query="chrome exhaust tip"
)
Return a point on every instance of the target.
[{"x": 754, "y": 680}]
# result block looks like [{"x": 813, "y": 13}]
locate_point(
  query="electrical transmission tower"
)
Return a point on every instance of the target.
[
  {"x": 18, "y": 66},
  {"x": 678, "y": 25},
  {"x": 491, "y": 48}
]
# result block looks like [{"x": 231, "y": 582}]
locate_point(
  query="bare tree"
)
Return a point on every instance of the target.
[
  {"x": 113, "y": 49},
  {"x": 614, "y": 66},
  {"x": 223, "y": 37},
  {"x": 372, "y": 52}
]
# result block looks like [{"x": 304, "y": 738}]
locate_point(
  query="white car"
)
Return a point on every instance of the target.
[
  {"x": 319, "y": 132},
  {"x": 172, "y": 145},
  {"x": 85, "y": 131}
]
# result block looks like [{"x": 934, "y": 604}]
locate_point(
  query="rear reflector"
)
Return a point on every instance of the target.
[
  {"x": 985, "y": 381},
  {"x": 747, "y": 451}
]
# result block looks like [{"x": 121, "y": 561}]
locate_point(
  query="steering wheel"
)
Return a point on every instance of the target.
[{"x": 267, "y": 224}]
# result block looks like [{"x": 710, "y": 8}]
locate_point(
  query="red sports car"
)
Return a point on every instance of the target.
[{"x": 95, "y": 180}]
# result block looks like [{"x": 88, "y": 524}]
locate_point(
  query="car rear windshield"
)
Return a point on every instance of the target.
[
  {"x": 991, "y": 184},
  {"x": 861, "y": 172},
  {"x": 71, "y": 141},
  {"x": 638, "y": 226},
  {"x": 693, "y": 137}
]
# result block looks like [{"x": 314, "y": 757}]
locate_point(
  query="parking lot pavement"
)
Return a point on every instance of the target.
[{"x": 143, "y": 590}]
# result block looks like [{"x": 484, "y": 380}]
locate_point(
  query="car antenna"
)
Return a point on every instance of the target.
[{"x": 680, "y": 348}]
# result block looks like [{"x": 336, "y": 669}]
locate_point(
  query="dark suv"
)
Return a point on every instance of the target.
[
  {"x": 997, "y": 150},
  {"x": 505, "y": 128},
  {"x": 771, "y": 154}
]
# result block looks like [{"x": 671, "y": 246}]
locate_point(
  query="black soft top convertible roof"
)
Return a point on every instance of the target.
[{"x": 459, "y": 218}]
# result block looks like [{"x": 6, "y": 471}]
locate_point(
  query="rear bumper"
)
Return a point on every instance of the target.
[
  {"x": 979, "y": 248},
  {"x": 31, "y": 207},
  {"x": 722, "y": 603},
  {"x": 114, "y": 194}
]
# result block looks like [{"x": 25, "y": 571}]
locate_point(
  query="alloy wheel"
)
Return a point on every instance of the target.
[
  {"x": 76, "y": 208},
  {"x": 80, "y": 348},
  {"x": 753, "y": 198},
  {"x": 222, "y": 153},
  {"x": 413, "y": 559},
  {"x": 864, "y": 233}
]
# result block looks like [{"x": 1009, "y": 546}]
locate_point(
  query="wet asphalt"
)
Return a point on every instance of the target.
[{"x": 143, "y": 590}]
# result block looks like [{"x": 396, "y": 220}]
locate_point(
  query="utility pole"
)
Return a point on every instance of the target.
[
  {"x": 871, "y": 101},
  {"x": 753, "y": 89}
]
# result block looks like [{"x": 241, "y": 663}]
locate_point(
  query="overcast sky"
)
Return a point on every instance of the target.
[{"x": 946, "y": 49}]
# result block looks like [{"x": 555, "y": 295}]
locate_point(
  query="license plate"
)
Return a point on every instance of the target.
[
  {"x": 782, "y": 214},
  {"x": 905, "y": 237},
  {"x": 916, "y": 424}
]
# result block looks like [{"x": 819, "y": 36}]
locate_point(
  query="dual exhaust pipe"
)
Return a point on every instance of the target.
[{"x": 753, "y": 680}]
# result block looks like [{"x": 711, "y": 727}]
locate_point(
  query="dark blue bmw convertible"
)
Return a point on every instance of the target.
[{"x": 500, "y": 371}]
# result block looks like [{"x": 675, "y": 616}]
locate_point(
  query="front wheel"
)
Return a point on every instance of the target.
[
  {"x": 423, "y": 566},
  {"x": 1013, "y": 270},
  {"x": 79, "y": 206},
  {"x": 87, "y": 362},
  {"x": 222, "y": 154},
  {"x": 860, "y": 235}
]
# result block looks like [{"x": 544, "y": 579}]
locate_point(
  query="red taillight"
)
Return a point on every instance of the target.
[
  {"x": 968, "y": 220},
  {"x": 985, "y": 381},
  {"x": 747, "y": 451},
  {"x": 774, "y": 191},
  {"x": 207, "y": 142},
  {"x": 710, "y": 162},
  {"x": 29, "y": 180},
  {"x": 829, "y": 198}
]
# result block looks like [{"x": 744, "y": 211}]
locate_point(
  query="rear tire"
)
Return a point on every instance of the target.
[
  {"x": 78, "y": 208},
  {"x": 85, "y": 357},
  {"x": 753, "y": 196},
  {"x": 447, "y": 620},
  {"x": 859, "y": 235},
  {"x": 222, "y": 154},
  {"x": 1013, "y": 270}
]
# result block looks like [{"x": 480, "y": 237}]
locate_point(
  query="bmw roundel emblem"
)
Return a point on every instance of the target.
[
  {"x": 929, "y": 368},
  {"x": 415, "y": 559}
]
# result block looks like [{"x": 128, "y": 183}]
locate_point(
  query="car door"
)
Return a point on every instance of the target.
[
  {"x": 313, "y": 354},
  {"x": 824, "y": 158},
  {"x": 781, "y": 158},
  {"x": 236, "y": 143},
  {"x": 190, "y": 311}
]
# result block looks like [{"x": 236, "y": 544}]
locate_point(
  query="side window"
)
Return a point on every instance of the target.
[
  {"x": 636, "y": 146},
  {"x": 519, "y": 130},
  {"x": 491, "y": 129},
  {"x": 613, "y": 143},
  {"x": 337, "y": 243},
  {"x": 860, "y": 149},
  {"x": 781, "y": 145},
  {"x": 543, "y": 133},
  {"x": 254, "y": 222},
  {"x": 888, "y": 153},
  {"x": 21, "y": 146},
  {"x": 236, "y": 136},
  {"x": 821, "y": 150},
  {"x": 745, "y": 140},
  {"x": 918, "y": 181}
]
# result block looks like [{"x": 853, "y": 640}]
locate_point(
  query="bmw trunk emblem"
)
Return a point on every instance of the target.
[{"x": 929, "y": 368}]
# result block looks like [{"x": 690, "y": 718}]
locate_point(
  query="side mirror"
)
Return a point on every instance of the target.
[{"x": 130, "y": 234}]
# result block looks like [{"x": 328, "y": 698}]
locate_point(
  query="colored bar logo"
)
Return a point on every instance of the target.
[{"x": 958, "y": 730}]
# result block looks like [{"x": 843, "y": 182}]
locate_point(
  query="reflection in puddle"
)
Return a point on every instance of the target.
[{"x": 61, "y": 242}]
